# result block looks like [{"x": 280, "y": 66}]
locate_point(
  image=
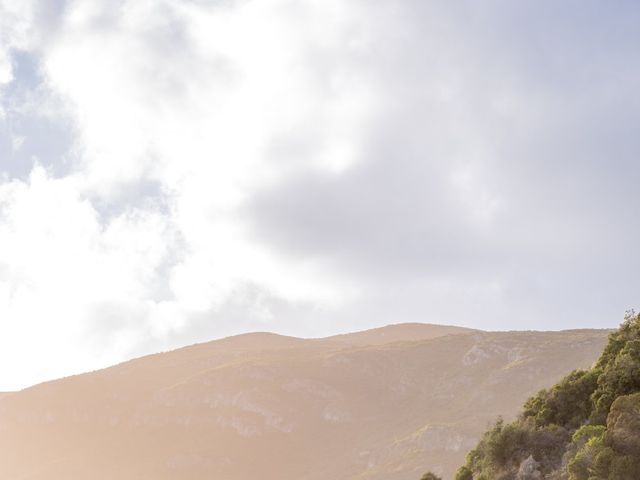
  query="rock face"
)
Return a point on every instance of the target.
[
  {"x": 529, "y": 470},
  {"x": 384, "y": 404}
]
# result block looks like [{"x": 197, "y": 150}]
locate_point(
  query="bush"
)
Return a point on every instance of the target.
[
  {"x": 430, "y": 476},
  {"x": 568, "y": 403},
  {"x": 464, "y": 473}
]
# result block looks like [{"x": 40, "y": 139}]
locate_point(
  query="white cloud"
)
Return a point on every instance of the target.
[
  {"x": 58, "y": 262},
  {"x": 192, "y": 99},
  {"x": 305, "y": 167}
]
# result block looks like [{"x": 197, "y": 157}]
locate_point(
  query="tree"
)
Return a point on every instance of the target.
[
  {"x": 464, "y": 473},
  {"x": 430, "y": 476}
]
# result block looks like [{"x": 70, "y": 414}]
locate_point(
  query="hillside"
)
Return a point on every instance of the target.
[
  {"x": 586, "y": 427},
  {"x": 384, "y": 404}
]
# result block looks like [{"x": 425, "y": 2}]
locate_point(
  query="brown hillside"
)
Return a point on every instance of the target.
[{"x": 384, "y": 404}]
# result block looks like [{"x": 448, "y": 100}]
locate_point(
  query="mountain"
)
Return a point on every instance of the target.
[
  {"x": 387, "y": 404},
  {"x": 585, "y": 427}
]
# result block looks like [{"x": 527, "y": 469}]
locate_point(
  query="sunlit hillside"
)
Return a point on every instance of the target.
[{"x": 385, "y": 404}]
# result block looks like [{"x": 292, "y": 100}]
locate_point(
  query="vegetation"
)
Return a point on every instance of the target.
[
  {"x": 430, "y": 476},
  {"x": 586, "y": 427}
]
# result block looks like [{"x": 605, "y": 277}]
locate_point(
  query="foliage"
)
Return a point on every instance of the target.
[
  {"x": 612, "y": 451},
  {"x": 621, "y": 370},
  {"x": 568, "y": 403},
  {"x": 464, "y": 473},
  {"x": 586, "y": 427},
  {"x": 430, "y": 476}
]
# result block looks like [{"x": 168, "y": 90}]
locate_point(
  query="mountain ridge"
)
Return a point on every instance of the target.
[{"x": 307, "y": 409}]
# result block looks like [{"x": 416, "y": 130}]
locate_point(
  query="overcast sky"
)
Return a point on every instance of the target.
[{"x": 173, "y": 171}]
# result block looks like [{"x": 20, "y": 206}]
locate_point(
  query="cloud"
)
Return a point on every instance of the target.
[
  {"x": 58, "y": 262},
  {"x": 497, "y": 174},
  {"x": 136, "y": 239},
  {"x": 173, "y": 171}
]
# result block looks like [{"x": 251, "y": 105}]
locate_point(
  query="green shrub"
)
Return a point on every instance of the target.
[
  {"x": 568, "y": 403},
  {"x": 430, "y": 476},
  {"x": 464, "y": 473}
]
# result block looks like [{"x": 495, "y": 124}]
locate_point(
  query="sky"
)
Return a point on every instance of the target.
[{"x": 175, "y": 171}]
